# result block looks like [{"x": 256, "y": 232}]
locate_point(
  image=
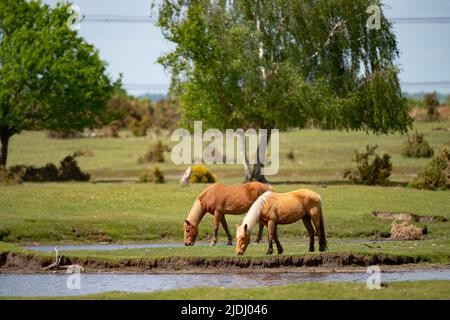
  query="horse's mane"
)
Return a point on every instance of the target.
[
  {"x": 253, "y": 214},
  {"x": 196, "y": 214}
]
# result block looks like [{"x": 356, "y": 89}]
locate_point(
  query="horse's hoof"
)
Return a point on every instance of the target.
[
  {"x": 212, "y": 244},
  {"x": 280, "y": 252},
  {"x": 229, "y": 243},
  {"x": 269, "y": 253}
]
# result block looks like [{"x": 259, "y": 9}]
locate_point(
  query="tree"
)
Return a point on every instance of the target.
[
  {"x": 50, "y": 78},
  {"x": 283, "y": 64}
]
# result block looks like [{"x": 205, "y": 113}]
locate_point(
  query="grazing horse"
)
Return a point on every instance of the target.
[
  {"x": 272, "y": 209},
  {"x": 220, "y": 200}
]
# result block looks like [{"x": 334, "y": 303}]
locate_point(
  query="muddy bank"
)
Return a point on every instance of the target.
[{"x": 22, "y": 262}]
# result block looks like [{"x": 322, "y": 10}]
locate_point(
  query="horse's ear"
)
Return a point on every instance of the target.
[
  {"x": 187, "y": 222},
  {"x": 237, "y": 226},
  {"x": 245, "y": 227}
]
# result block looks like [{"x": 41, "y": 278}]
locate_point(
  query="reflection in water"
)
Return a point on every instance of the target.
[{"x": 55, "y": 284}]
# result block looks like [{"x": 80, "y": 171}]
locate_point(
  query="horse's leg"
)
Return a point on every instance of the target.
[
  {"x": 271, "y": 228},
  {"x": 307, "y": 222},
  {"x": 216, "y": 223},
  {"x": 277, "y": 242},
  {"x": 225, "y": 227},
  {"x": 315, "y": 216},
  {"x": 260, "y": 233}
]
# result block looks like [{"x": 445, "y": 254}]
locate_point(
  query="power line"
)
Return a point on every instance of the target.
[
  {"x": 91, "y": 18},
  {"x": 165, "y": 86}
]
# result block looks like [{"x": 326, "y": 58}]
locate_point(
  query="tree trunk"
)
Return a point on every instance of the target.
[
  {"x": 5, "y": 134},
  {"x": 248, "y": 173},
  {"x": 257, "y": 175}
]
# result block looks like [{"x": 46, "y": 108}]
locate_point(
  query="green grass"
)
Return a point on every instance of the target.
[
  {"x": 420, "y": 290},
  {"x": 319, "y": 154},
  {"x": 86, "y": 212}
]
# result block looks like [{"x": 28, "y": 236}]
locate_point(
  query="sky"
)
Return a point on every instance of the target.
[{"x": 132, "y": 49}]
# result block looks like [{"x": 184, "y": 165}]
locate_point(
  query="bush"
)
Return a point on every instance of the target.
[
  {"x": 47, "y": 173},
  {"x": 291, "y": 155},
  {"x": 4, "y": 233},
  {"x": 139, "y": 127},
  {"x": 417, "y": 147},
  {"x": 8, "y": 177},
  {"x": 155, "y": 154},
  {"x": 432, "y": 105},
  {"x": 371, "y": 169},
  {"x": 436, "y": 174},
  {"x": 155, "y": 175},
  {"x": 201, "y": 174},
  {"x": 67, "y": 171}
]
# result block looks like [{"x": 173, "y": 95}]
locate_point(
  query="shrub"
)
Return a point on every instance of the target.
[
  {"x": 417, "y": 147},
  {"x": 436, "y": 174},
  {"x": 201, "y": 174},
  {"x": 49, "y": 172},
  {"x": 67, "y": 171},
  {"x": 155, "y": 154},
  {"x": 4, "y": 232},
  {"x": 155, "y": 175},
  {"x": 291, "y": 155},
  {"x": 432, "y": 106},
  {"x": 8, "y": 177},
  {"x": 139, "y": 127},
  {"x": 371, "y": 169}
]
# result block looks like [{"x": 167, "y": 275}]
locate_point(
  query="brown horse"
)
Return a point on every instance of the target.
[
  {"x": 272, "y": 209},
  {"x": 220, "y": 200}
]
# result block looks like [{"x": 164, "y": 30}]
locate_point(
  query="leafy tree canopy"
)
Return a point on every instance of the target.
[
  {"x": 50, "y": 78},
  {"x": 283, "y": 64}
]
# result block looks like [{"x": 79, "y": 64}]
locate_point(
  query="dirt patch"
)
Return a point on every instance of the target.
[
  {"x": 21, "y": 262},
  {"x": 406, "y": 216},
  {"x": 406, "y": 231}
]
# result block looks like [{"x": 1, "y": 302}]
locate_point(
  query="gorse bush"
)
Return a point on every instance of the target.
[
  {"x": 47, "y": 173},
  {"x": 8, "y": 177},
  {"x": 155, "y": 154},
  {"x": 371, "y": 169},
  {"x": 436, "y": 174},
  {"x": 4, "y": 232},
  {"x": 155, "y": 175},
  {"x": 417, "y": 147},
  {"x": 201, "y": 174},
  {"x": 432, "y": 106},
  {"x": 68, "y": 171},
  {"x": 291, "y": 155}
]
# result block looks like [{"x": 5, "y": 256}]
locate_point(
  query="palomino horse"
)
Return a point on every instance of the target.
[
  {"x": 272, "y": 209},
  {"x": 220, "y": 200}
]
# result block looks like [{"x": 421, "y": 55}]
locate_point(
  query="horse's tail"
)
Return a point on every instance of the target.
[{"x": 322, "y": 240}]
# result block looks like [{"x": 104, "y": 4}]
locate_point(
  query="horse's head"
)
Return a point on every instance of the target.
[
  {"x": 190, "y": 233},
  {"x": 242, "y": 239}
]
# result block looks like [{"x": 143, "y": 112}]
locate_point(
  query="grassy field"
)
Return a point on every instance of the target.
[
  {"x": 420, "y": 290},
  {"x": 86, "y": 212},
  {"x": 93, "y": 212},
  {"x": 318, "y": 154}
]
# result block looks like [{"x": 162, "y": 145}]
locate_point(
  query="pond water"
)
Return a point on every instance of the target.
[{"x": 56, "y": 284}]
